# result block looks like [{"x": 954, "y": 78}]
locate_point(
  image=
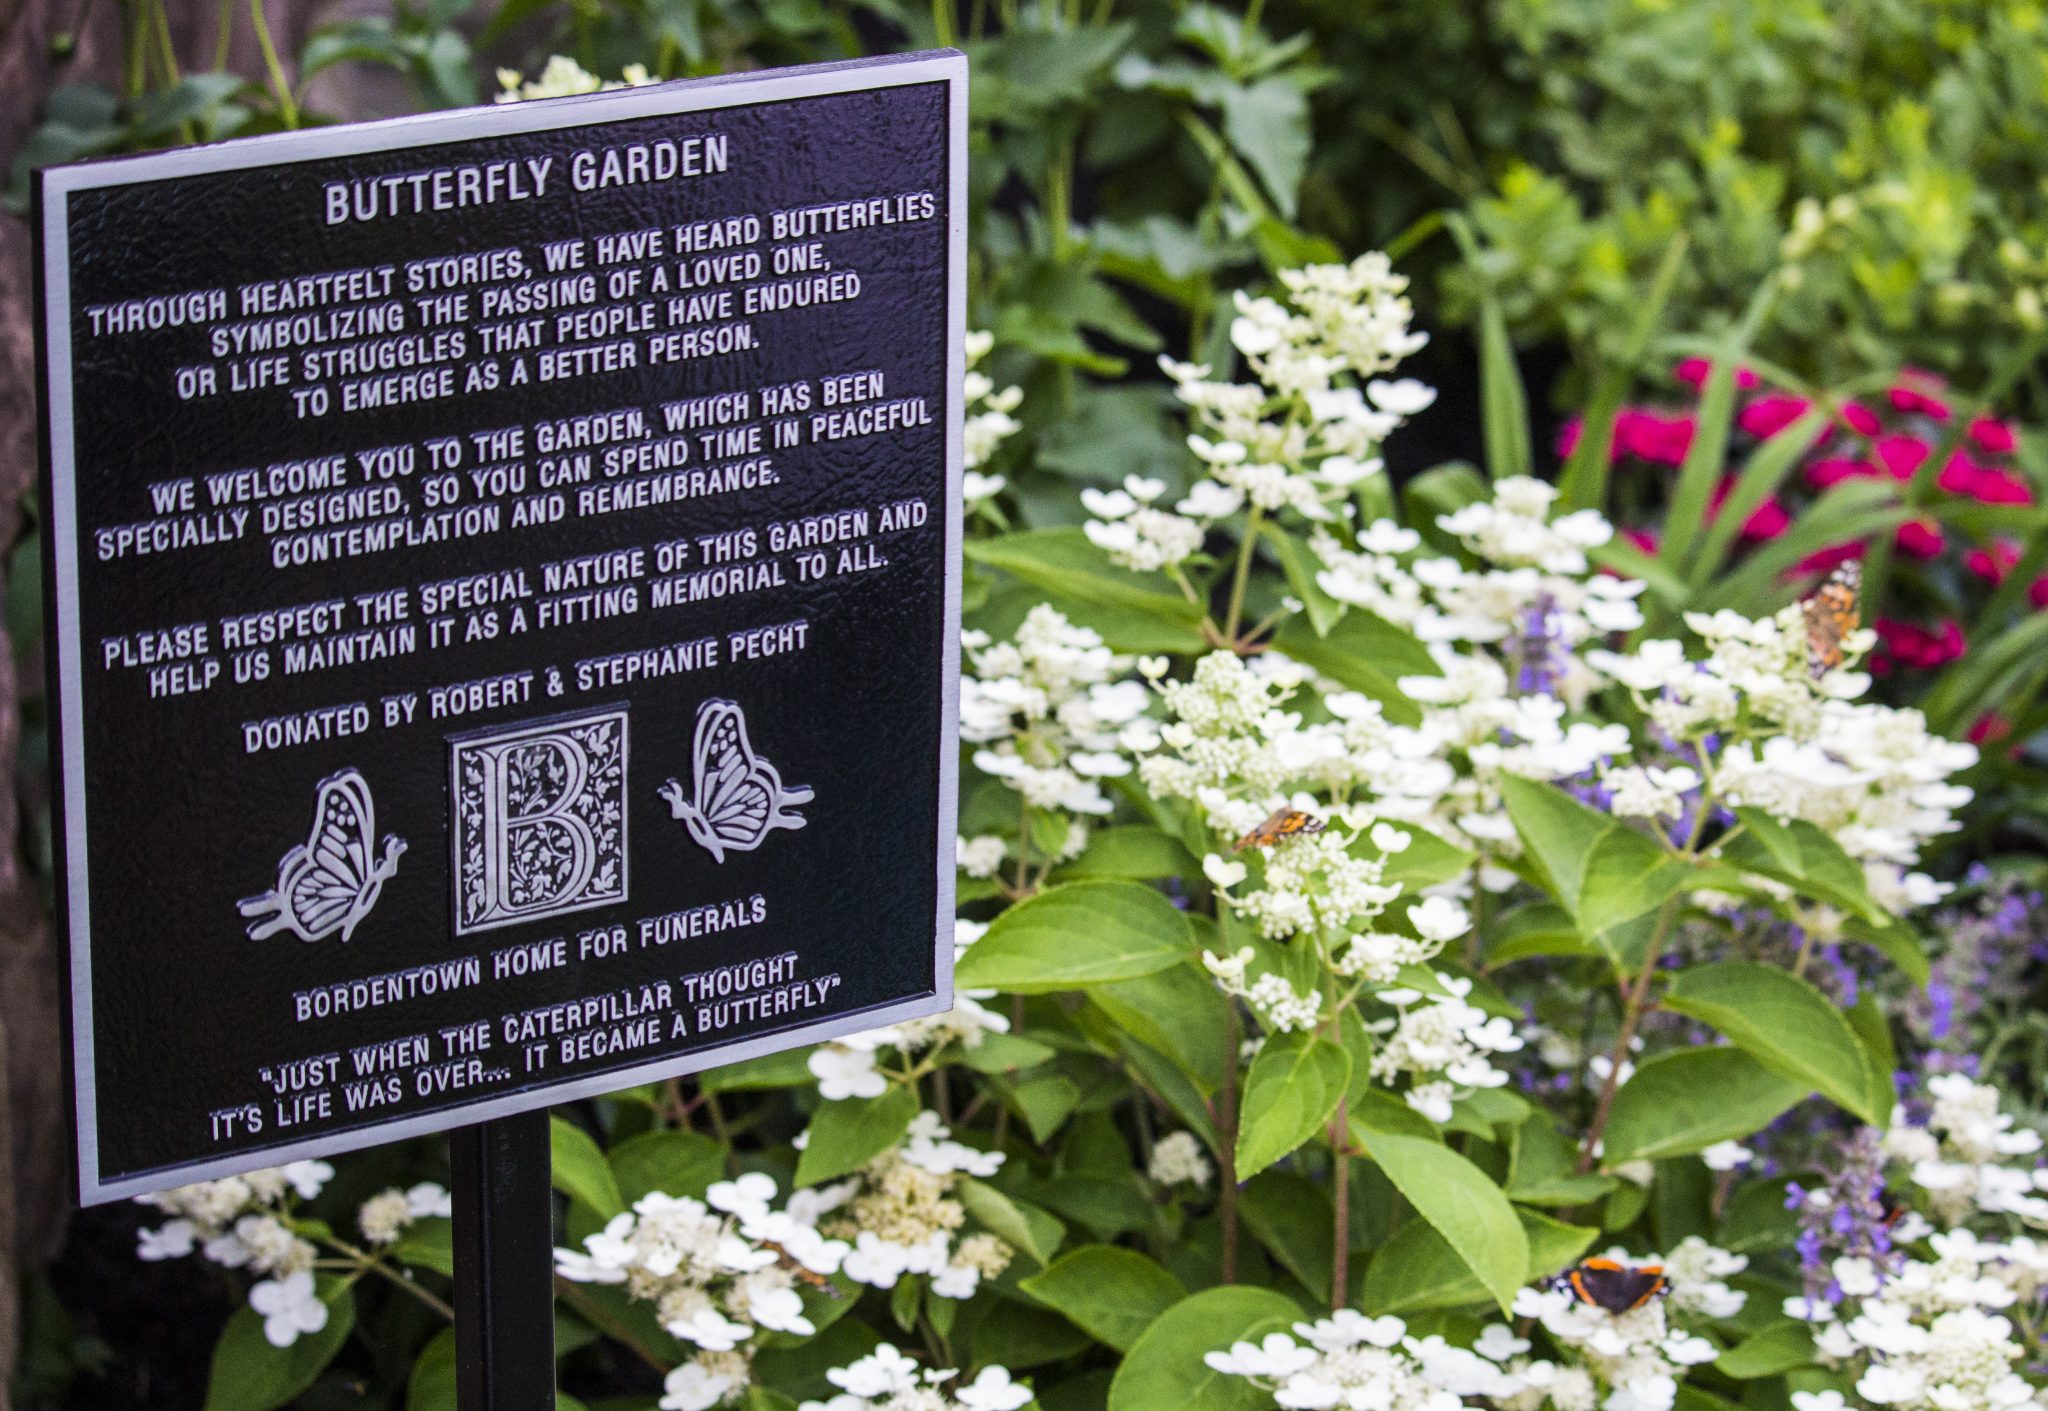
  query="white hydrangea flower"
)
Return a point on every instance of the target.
[
  {"x": 1441, "y": 1044},
  {"x": 988, "y": 421},
  {"x": 1178, "y": 1158},
  {"x": 562, "y": 77},
  {"x": 290, "y": 1307}
]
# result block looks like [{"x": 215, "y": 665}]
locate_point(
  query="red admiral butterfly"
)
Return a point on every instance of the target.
[{"x": 1619, "y": 1288}]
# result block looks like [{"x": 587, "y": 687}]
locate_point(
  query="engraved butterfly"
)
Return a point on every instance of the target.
[
  {"x": 739, "y": 797},
  {"x": 1833, "y": 612},
  {"x": 329, "y": 882}
]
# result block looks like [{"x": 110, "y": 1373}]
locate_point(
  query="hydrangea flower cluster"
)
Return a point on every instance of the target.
[
  {"x": 1918, "y": 1308},
  {"x": 1048, "y": 710},
  {"x": 888, "y": 1380},
  {"x": 1178, "y": 1159},
  {"x": 244, "y": 1222},
  {"x": 715, "y": 1269},
  {"x": 1929, "y": 1335},
  {"x": 988, "y": 424},
  {"x": 562, "y": 77},
  {"x": 1366, "y": 1364},
  {"x": 900, "y": 1215},
  {"x": 384, "y": 1217},
  {"x": 1442, "y": 1044},
  {"x": 1301, "y": 436},
  {"x": 1632, "y": 1361},
  {"x": 1961, "y": 1156}
]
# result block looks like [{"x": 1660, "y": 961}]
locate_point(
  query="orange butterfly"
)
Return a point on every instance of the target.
[
  {"x": 1284, "y": 823},
  {"x": 1833, "y": 611}
]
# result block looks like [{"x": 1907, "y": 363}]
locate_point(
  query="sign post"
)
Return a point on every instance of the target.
[
  {"x": 503, "y": 575},
  {"x": 504, "y": 1265}
]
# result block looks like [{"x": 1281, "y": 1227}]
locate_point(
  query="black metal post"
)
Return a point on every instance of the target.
[{"x": 504, "y": 1265}]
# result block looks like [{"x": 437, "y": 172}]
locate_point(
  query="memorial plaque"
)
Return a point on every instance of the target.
[{"x": 504, "y": 602}]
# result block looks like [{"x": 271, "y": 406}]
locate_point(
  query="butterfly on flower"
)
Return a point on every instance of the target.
[
  {"x": 1833, "y": 611},
  {"x": 800, "y": 1271},
  {"x": 1610, "y": 1284},
  {"x": 1282, "y": 824}
]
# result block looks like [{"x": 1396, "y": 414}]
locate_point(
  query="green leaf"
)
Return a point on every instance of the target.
[
  {"x": 1803, "y": 856},
  {"x": 431, "y": 1387},
  {"x": 1542, "y": 1167},
  {"x": 1785, "y": 1024},
  {"x": 1290, "y": 1215},
  {"x": 788, "y": 1069},
  {"x": 1300, "y": 566},
  {"x": 1761, "y": 475},
  {"x": 251, "y": 1375},
  {"x": 1427, "y": 861},
  {"x": 580, "y": 1170},
  {"x": 1133, "y": 853},
  {"x": 1627, "y": 876},
  {"x": 1558, "y": 831},
  {"x": 1004, "y": 1053},
  {"x": 1461, "y": 1201},
  {"x": 846, "y": 1135},
  {"x": 1268, "y": 124},
  {"x": 1018, "y": 1223},
  {"x": 1112, "y": 1294},
  {"x": 1777, "y": 1349},
  {"x": 1417, "y": 1269},
  {"x": 1537, "y": 928},
  {"x": 1079, "y": 934},
  {"x": 1685, "y": 1101},
  {"x": 1708, "y": 452},
  {"x": 1063, "y": 562},
  {"x": 1874, "y": 1031},
  {"x": 428, "y": 1244},
  {"x": 1164, "y": 1370},
  {"x": 1366, "y": 653},
  {"x": 1294, "y": 1085},
  {"x": 1178, "y": 1011},
  {"x": 674, "y": 1163}
]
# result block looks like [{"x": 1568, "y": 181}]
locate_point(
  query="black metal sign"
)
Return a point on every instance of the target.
[{"x": 504, "y": 582}]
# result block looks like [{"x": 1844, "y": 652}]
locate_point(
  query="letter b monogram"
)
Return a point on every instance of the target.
[{"x": 540, "y": 820}]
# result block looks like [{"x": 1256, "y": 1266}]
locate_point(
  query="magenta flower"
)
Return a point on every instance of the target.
[
  {"x": 1833, "y": 471},
  {"x": 1994, "y": 563},
  {"x": 1653, "y": 436},
  {"x": 1694, "y": 372},
  {"x": 1914, "y": 392},
  {"x": 1910, "y": 647},
  {"x": 1825, "y": 561},
  {"x": 1766, "y": 416},
  {"x": 1902, "y": 455},
  {"x": 1860, "y": 419},
  {"x": 1994, "y": 436},
  {"x": 1921, "y": 539}
]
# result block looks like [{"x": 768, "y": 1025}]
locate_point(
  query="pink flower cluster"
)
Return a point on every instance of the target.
[{"x": 1889, "y": 441}]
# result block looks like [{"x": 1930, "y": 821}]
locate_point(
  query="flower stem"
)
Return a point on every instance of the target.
[
  {"x": 280, "y": 86},
  {"x": 1631, "y": 1016},
  {"x": 362, "y": 1262},
  {"x": 1242, "y": 576},
  {"x": 1340, "y": 1223},
  {"x": 1226, "y": 1148}
]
